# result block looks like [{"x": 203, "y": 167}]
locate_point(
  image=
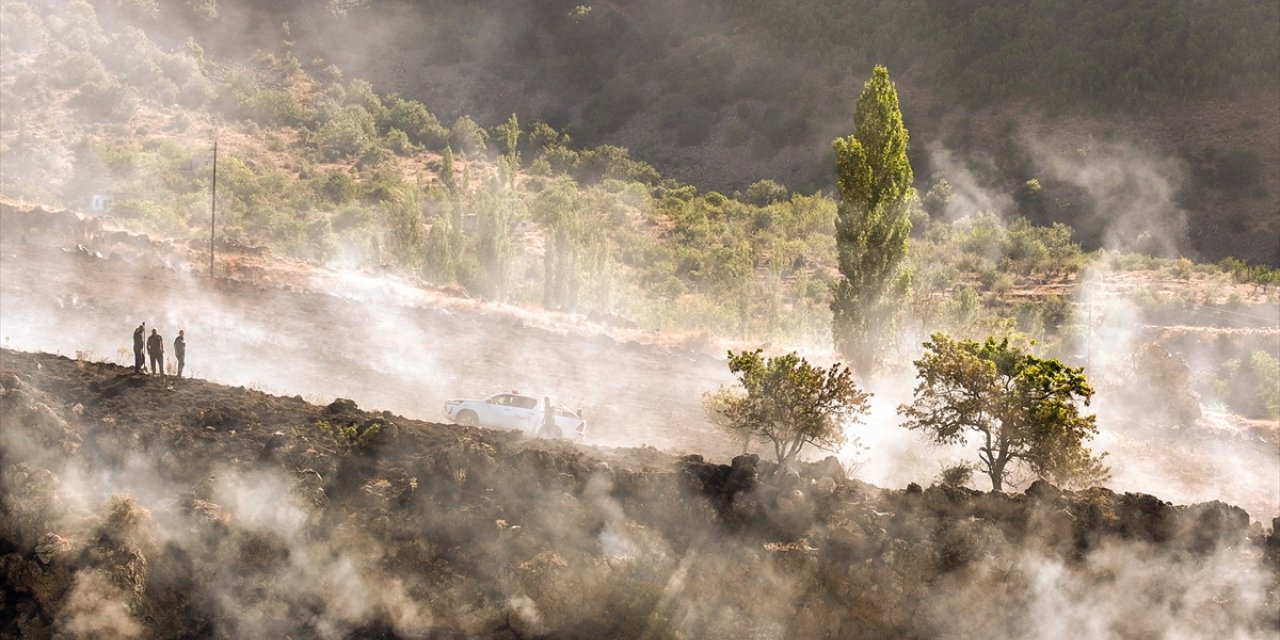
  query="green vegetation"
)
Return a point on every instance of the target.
[
  {"x": 875, "y": 181},
  {"x": 1021, "y": 407},
  {"x": 719, "y": 91},
  {"x": 351, "y": 437},
  {"x": 1247, "y": 385},
  {"x": 788, "y": 403},
  {"x": 317, "y": 165}
]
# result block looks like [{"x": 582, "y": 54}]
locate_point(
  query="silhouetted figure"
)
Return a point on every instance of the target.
[
  {"x": 139, "y": 339},
  {"x": 155, "y": 349},
  {"x": 180, "y": 351},
  {"x": 549, "y": 428}
]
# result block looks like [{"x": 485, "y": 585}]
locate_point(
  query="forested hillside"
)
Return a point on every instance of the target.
[
  {"x": 725, "y": 93},
  {"x": 316, "y": 163}
]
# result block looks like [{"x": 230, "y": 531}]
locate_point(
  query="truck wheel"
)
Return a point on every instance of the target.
[{"x": 468, "y": 419}]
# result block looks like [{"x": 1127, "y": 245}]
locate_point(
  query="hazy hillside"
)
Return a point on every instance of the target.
[
  {"x": 250, "y": 499},
  {"x": 1183, "y": 98},
  {"x": 318, "y": 166},
  {"x": 360, "y": 209},
  {"x": 1199, "y": 380}
]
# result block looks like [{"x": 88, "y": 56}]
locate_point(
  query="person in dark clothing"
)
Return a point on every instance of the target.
[
  {"x": 139, "y": 340},
  {"x": 180, "y": 351},
  {"x": 549, "y": 427},
  {"x": 155, "y": 349}
]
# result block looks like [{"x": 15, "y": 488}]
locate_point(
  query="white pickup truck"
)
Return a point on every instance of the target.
[{"x": 514, "y": 411}]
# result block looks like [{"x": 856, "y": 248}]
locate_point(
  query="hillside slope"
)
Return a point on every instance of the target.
[
  {"x": 724, "y": 94},
  {"x": 77, "y": 286},
  {"x": 142, "y": 506}
]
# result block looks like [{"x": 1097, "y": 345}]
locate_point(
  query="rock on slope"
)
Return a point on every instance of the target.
[{"x": 140, "y": 506}]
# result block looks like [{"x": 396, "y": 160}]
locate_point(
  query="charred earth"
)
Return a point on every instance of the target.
[{"x": 147, "y": 506}]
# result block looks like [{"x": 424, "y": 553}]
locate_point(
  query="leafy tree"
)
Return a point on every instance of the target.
[
  {"x": 494, "y": 250},
  {"x": 939, "y": 196},
  {"x": 1249, "y": 384},
  {"x": 360, "y": 92},
  {"x": 438, "y": 265},
  {"x": 787, "y": 402},
  {"x": 558, "y": 207},
  {"x": 1020, "y": 406},
  {"x": 398, "y": 142},
  {"x": 874, "y": 177},
  {"x": 447, "y": 171},
  {"x": 1266, "y": 371},
  {"x": 348, "y": 135},
  {"x": 543, "y": 137},
  {"x": 508, "y": 134},
  {"x": 336, "y": 187},
  {"x": 467, "y": 137},
  {"x": 765, "y": 192},
  {"x": 405, "y": 233},
  {"x": 412, "y": 117},
  {"x": 611, "y": 162},
  {"x": 1154, "y": 372}
]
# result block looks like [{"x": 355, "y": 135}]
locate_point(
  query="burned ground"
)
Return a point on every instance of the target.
[{"x": 146, "y": 506}]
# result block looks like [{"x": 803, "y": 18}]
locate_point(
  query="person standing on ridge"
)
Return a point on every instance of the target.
[
  {"x": 180, "y": 351},
  {"x": 139, "y": 339},
  {"x": 549, "y": 428},
  {"x": 155, "y": 349}
]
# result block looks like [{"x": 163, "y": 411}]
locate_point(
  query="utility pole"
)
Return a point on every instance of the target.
[{"x": 213, "y": 205}]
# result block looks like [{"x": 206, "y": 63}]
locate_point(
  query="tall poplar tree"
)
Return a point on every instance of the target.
[{"x": 874, "y": 177}]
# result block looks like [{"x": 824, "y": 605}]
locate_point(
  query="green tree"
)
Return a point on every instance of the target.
[
  {"x": 508, "y": 133},
  {"x": 494, "y": 250},
  {"x": 1020, "y": 406},
  {"x": 787, "y": 402},
  {"x": 1266, "y": 373},
  {"x": 349, "y": 134},
  {"x": 558, "y": 207},
  {"x": 438, "y": 263},
  {"x": 412, "y": 117},
  {"x": 765, "y": 192},
  {"x": 543, "y": 137},
  {"x": 467, "y": 137},
  {"x": 447, "y": 171},
  {"x": 874, "y": 177},
  {"x": 406, "y": 235}
]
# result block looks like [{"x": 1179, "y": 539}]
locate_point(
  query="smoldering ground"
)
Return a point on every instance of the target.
[{"x": 125, "y": 515}]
